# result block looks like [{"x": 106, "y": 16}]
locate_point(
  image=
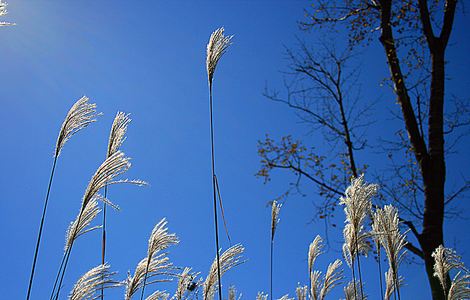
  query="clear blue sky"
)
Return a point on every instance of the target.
[{"x": 148, "y": 58}]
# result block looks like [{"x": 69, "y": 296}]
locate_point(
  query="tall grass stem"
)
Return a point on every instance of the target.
[{"x": 41, "y": 225}]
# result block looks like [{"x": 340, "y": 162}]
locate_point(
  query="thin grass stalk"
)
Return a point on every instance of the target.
[
  {"x": 380, "y": 271},
  {"x": 354, "y": 279},
  {"x": 397, "y": 285},
  {"x": 271, "y": 271},
  {"x": 145, "y": 279},
  {"x": 57, "y": 277},
  {"x": 38, "y": 241},
  {"x": 69, "y": 250},
  {"x": 103, "y": 238},
  {"x": 359, "y": 269},
  {"x": 214, "y": 192}
]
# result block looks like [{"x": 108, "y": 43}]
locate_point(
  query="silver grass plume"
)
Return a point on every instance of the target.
[
  {"x": 228, "y": 259},
  {"x": 315, "y": 284},
  {"x": 114, "y": 166},
  {"x": 117, "y": 135},
  {"x": 357, "y": 205},
  {"x": 80, "y": 115},
  {"x": 332, "y": 278},
  {"x": 390, "y": 284},
  {"x": 275, "y": 209},
  {"x": 80, "y": 225},
  {"x": 286, "y": 297},
  {"x": 3, "y": 11},
  {"x": 92, "y": 281},
  {"x": 158, "y": 295},
  {"x": 301, "y": 292},
  {"x": 445, "y": 260},
  {"x": 218, "y": 44},
  {"x": 387, "y": 223},
  {"x": 159, "y": 240},
  {"x": 349, "y": 291},
  {"x": 186, "y": 282},
  {"x": 314, "y": 250},
  {"x": 232, "y": 293},
  {"x": 159, "y": 265},
  {"x": 261, "y": 296},
  {"x": 460, "y": 287}
]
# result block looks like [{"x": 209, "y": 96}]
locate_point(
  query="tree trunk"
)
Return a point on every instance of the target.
[
  {"x": 434, "y": 173},
  {"x": 431, "y": 159}
]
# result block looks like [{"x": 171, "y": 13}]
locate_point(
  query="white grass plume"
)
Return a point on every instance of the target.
[
  {"x": 158, "y": 295},
  {"x": 314, "y": 250},
  {"x": 445, "y": 260},
  {"x": 80, "y": 115},
  {"x": 333, "y": 277},
  {"x": 159, "y": 265},
  {"x": 261, "y": 296},
  {"x": 460, "y": 287},
  {"x": 218, "y": 44},
  {"x": 187, "y": 282},
  {"x": 275, "y": 210},
  {"x": 232, "y": 293},
  {"x": 114, "y": 166},
  {"x": 355, "y": 242},
  {"x": 117, "y": 135},
  {"x": 81, "y": 224},
  {"x": 315, "y": 284},
  {"x": 286, "y": 297},
  {"x": 228, "y": 259},
  {"x": 390, "y": 284},
  {"x": 301, "y": 292},
  {"x": 92, "y": 281},
  {"x": 386, "y": 224},
  {"x": 350, "y": 291},
  {"x": 4, "y": 11},
  {"x": 357, "y": 206},
  {"x": 159, "y": 240}
]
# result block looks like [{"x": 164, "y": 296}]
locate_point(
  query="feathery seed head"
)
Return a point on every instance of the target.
[
  {"x": 115, "y": 165},
  {"x": 79, "y": 116},
  {"x": 314, "y": 251},
  {"x": 92, "y": 281},
  {"x": 333, "y": 277},
  {"x": 159, "y": 265},
  {"x": 80, "y": 225},
  {"x": 160, "y": 239},
  {"x": 187, "y": 282},
  {"x": 3, "y": 11},
  {"x": 386, "y": 229},
  {"x": 350, "y": 291},
  {"x": 460, "y": 286},
  {"x": 286, "y": 297},
  {"x": 315, "y": 284},
  {"x": 117, "y": 135},
  {"x": 228, "y": 259},
  {"x": 218, "y": 44},
  {"x": 445, "y": 259},
  {"x": 275, "y": 209},
  {"x": 301, "y": 292},
  {"x": 261, "y": 296},
  {"x": 158, "y": 295}
]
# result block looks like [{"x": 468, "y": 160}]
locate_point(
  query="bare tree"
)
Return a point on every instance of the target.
[{"x": 323, "y": 91}]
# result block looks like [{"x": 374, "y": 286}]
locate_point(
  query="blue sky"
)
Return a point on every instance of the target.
[{"x": 147, "y": 58}]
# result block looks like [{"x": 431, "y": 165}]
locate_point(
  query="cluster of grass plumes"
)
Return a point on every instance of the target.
[{"x": 387, "y": 236}]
